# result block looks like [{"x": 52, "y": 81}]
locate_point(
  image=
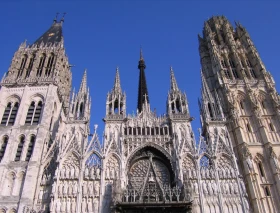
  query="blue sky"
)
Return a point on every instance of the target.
[{"x": 101, "y": 35}]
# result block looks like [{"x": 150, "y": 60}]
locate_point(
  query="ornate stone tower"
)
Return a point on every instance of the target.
[
  {"x": 34, "y": 95},
  {"x": 240, "y": 104}
]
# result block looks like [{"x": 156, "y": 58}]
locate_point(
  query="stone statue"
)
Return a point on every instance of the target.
[
  {"x": 204, "y": 187},
  {"x": 89, "y": 204},
  {"x": 96, "y": 189},
  {"x": 41, "y": 194},
  {"x": 65, "y": 188},
  {"x": 84, "y": 188},
  {"x": 72, "y": 172},
  {"x": 68, "y": 205},
  {"x": 70, "y": 188},
  {"x": 75, "y": 188},
  {"x": 235, "y": 187},
  {"x": 58, "y": 206},
  {"x": 73, "y": 205},
  {"x": 196, "y": 187},
  {"x": 97, "y": 173},
  {"x": 209, "y": 188},
  {"x": 92, "y": 173},
  {"x": 202, "y": 173},
  {"x": 84, "y": 205},
  {"x": 214, "y": 187},
  {"x": 107, "y": 173},
  {"x": 90, "y": 188},
  {"x": 86, "y": 172},
  {"x": 194, "y": 174},
  {"x": 54, "y": 188},
  {"x": 249, "y": 164},
  {"x": 63, "y": 206}
]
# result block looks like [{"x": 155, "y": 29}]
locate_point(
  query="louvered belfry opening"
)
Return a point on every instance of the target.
[
  {"x": 20, "y": 148},
  {"x": 10, "y": 114},
  {"x": 30, "y": 148},
  {"x": 3, "y": 147},
  {"x": 34, "y": 113}
]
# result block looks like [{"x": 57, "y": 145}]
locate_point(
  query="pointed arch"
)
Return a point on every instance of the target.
[{"x": 3, "y": 146}]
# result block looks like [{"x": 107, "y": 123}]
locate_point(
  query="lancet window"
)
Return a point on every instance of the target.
[
  {"x": 34, "y": 113},
  {"x": 22, "y": 65},
  {"x": 30, "y": 66},
  {"x": 41, "y": 65},
  {"x": 10, "y": 114},
  {"x": 20, "y": 148},
  {"x": 30, "y": 148},
  {"x": 3, "y": 147},
  {"x": 49, "y": 65}
]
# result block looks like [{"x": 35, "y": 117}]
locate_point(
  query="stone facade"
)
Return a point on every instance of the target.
[{"x": 50, "y": 161}]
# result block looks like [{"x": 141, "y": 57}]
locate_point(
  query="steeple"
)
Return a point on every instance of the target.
[{"x": 142, "y": 87}]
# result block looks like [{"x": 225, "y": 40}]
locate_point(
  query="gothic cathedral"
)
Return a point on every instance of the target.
[{"x": 50, "y": 160}]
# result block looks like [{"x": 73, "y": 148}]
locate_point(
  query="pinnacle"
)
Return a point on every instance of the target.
[
  {"x": 83, "y": 86},
  {"x": 173, "y": 83},
  {"x": 117, "y": 85}
]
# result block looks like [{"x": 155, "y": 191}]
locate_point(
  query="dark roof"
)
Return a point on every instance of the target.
[{"x": 52, "y": 35}]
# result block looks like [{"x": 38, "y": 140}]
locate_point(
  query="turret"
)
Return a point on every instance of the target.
[
  {"x": 116, "y": 99},
  {"x": 80, "y": 102},
  {"x": 177, "y": 100}
]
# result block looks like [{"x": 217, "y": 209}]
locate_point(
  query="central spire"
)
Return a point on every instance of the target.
[{"x": 142, "y": 88}]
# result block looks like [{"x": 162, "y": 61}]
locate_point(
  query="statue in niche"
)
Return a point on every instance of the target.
[
  {"x": 209, "y": 188},
  {"x": 190, "y": 174},
  {"x": 232, "y": 171},
  {"x": 226, "y": 188},
  {"x": 230, "y": 186},
  {"x": 58, "y": 206},
  {"x": 63, "y": 206},
  {"x": 53, "y": 188},
  {"x": 73, "y": 205},
  {"x": 84, "y": 188},
  {"x": 41, "y": 194},
  {"x": 92, "y": 176},
  {"x": 86, "y": 172},
  {"x": 202, "y": 173},
  {"x": 220, "y": 171},
  {"x": 65, "y": 188},
  {"x": 107, "y": 173},
  {"x": 84, "y": 205},
  {"x": 214, "y": 187},
  {"x": 243, "y": 188},
  {"x": 222, "y": 188},
  {"x": 76, "y": 172},
  {"x": 90, "y": 188},
  {"x": 62, "y": 172},
  {"x": 59, "y": 189},
  {"x": 96, "y": 189},
  {"x": 194, "y": 174},
  {"x": 196, "y": 187},
  {"x": 75, "y": 188},
  {"x": 207, "y": 174},
  {"x": 112, "y": 173},
  {"x": 68, "y": 205},
  {"x": 95, "y": 205},
  {"x": 72, "y": 172},
  {"x": 212, "y": 173},
  {"x": 89, "y": 204},
  {"x": 249, "y": 164},
  {"x": 97, "y": 173},
  {"x": 204, "y": 187},
  {"x": 70, "y": 188},
  {"x": 235, "y": 187}
]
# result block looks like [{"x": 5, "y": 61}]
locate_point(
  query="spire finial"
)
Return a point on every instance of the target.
[
  {"x": 173, "y": 83},
  {"x": 141, "y": 53},
  {"x": 117, "y": 85},
  {"x": 83, "y": 86},
  {"x": 62, "y": 19},
  {"x": 55, "y": 18}
]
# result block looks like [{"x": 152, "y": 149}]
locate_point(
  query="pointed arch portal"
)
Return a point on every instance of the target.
[{"x": 151, "y": 185}]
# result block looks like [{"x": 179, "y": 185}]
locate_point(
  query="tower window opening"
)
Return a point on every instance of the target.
[
  {"x": 10, "y": 114},
  {"x": 271, "y": 127},
  {"x": 116, "y": 107},
  {"x": 30, "y": 66},
  {"x": 242, "y": 63},
  {"x": 166, "y": 130},
  {"x": 210, "y": 110},
  {"x": 125, "y": 131},
  {"x": 248, "y": 127},
  {"x": 178, "y": 107},
  {"x": 241, "y": 104},
  {"x": 223, "y": 64},
  {"x": 263, "y": 104},
  {"x": 173, "y": 107},
  {"x": 30, "y": 148},
  {"x": 161, "y": 131},
  {"x": 152, "y": 131},
  {"x": 22, "y": 65},
  {"x": 34, "y": 113},
  {"x": 148, "y": 130},
  {"x": 157, "y": 130},
  {"x": 261, "y": 169},
  {"x": 235, "y": 74},
  {"x": 129, "y": 130},
  {"x": 227, "y": 74},
  {"x": 81, "y": 113},
  {"x": 20, "y": 148},
  {"x": 3, "y": 147},
  {"x": 248, "y": 63},
  {"x": 139, "y": 130},
  {"x": 232, "y": 65},
  {"x": 252, "y": 72},
  {"x": 267, "y": 192},
  {"x": 134, "y": 131},
  {"x": 49, "y": 65},
  {"x": 41, "y": 65}
]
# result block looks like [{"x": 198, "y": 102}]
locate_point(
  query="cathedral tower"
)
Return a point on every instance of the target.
[{"x": 239, "y": 97}]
